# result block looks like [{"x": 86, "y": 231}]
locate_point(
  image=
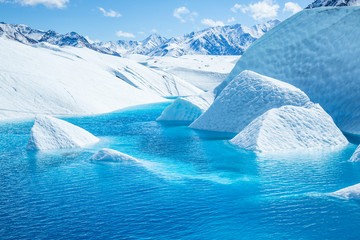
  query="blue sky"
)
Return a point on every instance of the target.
[{"x": 135, "y": 19}]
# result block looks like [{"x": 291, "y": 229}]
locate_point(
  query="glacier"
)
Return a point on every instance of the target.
[
  {"x": 51, "y": 80},
  {"x": 187, "y": 109},
  {"x": 51, "y": 133},
  {"x": 154, "y": 80},
  {"x": 111, "y": 156},
  {"x": 316, "y": 50},
  {"x": 248, "y": 96},
  {"x": 356, "y": 156},
  {"x": 352, "y": 192},
  {"x": 203, "y": 71},
  {"x": 291, "y": 128}
]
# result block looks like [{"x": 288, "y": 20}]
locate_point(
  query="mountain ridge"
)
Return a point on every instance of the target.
[
  {"x": 221, "y": 40},
  {"x": 333, "y": 3}
]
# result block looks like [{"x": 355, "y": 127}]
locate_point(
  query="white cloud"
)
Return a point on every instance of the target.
[
  {"x": 262, "y": 10},
  {"x": 110, "y": 13},
  {"x": 212, "y": 23},
  {"x": 124, "y": 34},
  {"x": 230, "y": 20},
  {"x": 292, "y": 7},
  {"x": 235, "y": 8},
  {"x": 184, "y": 14},
  {"x": 47, "y": 3},
  {"x": 154, "y": 30}
]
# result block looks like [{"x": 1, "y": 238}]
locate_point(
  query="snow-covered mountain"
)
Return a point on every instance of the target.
[
  {"x": 333, "y": 3},
  {"x": 225, "y": 40},
  {"x": 123, "y": 47},
  {"x": 27, "y": 35},
  {"x": 20, "y": 33}
]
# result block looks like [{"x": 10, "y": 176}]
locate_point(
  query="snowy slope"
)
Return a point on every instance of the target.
[
  {"x": 203, "y": 71},
  {"x": 51, "y": 80},
  {"x": 316, "y": 50},
  {"x": 248, "y": 96},
  {"x": 51, "y": 133},
  {"x": 352, "y": 192},
  {"x": 356, "y": 156},
  {"x": 155, "y": 80},
  {"x": 187, "y": 108},
  {"x": 333, "y": 3},
  {"x": 290, "y": 128},
  {"x": 111, "y": 156}
]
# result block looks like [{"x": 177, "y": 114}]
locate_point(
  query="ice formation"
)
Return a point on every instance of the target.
[
  {"x": 248, "y": 96},
  {"x": 52, "y": 133},
  {"x": 188, "y": 108},
  {"x": 316, "y": 50},
  {"x": 290, "y": 128},
  {"x": 110, "y": 155},
  {"x": 356, "y": 156},
  {"x": 352, "y": 192}
]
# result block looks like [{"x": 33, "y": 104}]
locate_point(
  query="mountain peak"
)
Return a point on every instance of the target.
[
  {"x": 154, "y": 37},
  {"x": 333, "y": 3},
  {"x": 75, "y": 34}
]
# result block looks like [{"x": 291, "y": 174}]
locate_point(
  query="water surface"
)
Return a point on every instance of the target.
[{"x": 188, "y": 185}]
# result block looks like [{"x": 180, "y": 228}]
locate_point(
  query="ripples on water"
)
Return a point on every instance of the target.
[{"x": 188, "y": 185}]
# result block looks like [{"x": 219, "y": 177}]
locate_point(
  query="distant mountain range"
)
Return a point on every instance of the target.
[
  {"x": 222, "y": 40},
  {"x": 226, "y": 40},
  {"x": 333, "y": 3}
]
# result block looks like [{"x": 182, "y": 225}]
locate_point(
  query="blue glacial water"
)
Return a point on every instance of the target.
[{"x": 188, "y": 185}]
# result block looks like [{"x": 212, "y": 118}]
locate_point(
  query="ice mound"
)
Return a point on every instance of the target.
[
  {"x": 52, "y": 133},
  {"x": 352, "y": 192},
  {"x": 110, "y": 155},
  {"x": 187, "y": 108},
  {"x": 316, "y": 50},
  {"x": 248, "y": 96},
  {"x": 356, "y": 156},
  {"x": 290, "y": 128}
]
